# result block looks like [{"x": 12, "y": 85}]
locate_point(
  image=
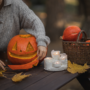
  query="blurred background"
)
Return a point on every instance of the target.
[{"x": 56, "y": 15}]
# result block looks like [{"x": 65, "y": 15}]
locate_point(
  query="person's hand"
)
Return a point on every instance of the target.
[
  {"x": 41, "y": 52},
  {"x": 2, "y": 64},
  {"x": 1, "y": 2}
]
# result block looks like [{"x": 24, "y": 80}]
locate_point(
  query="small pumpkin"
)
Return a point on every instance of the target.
[
  {"x": 88, "y": 41},
  {"x": 21, "y": 50},
  {"x": 71, "y": 33}
]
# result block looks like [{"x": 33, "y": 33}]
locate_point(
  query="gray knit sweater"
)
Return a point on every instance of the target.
[{"x": 16, "y": 15}]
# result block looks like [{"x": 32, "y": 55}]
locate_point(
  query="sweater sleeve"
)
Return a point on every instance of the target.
[{"x": 32, "y": 24}]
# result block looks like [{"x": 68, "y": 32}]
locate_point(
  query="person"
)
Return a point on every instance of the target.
[{"x": 16, "y": 15}]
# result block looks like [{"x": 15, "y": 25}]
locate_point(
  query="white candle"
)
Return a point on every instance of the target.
[
  {"x": 57, "y": 64},
  {"x": 55, "y": 54},
  {"x": 47, "y": 63},
  {"x": 63, "y": 57}
]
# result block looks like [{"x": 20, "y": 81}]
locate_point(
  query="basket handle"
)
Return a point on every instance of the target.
[{"x": 85, "y": 35}]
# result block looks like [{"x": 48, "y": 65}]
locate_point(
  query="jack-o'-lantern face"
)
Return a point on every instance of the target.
[{"x": 22, "y": 49}]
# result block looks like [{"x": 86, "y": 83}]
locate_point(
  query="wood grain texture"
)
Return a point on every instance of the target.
[{"x": 40, "y": 80}]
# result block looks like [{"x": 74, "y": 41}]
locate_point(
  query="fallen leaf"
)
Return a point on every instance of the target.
[
  {"x": 69, "y": 63},
  {"x": 75, "y": 68},
  {"x": 79, "y": 68},
  {"x": 19, "y": 77},
  {"x": 86, "y": 66},
  {"x": 1, "y": 72},
  {"x": 71, "y": 70}
]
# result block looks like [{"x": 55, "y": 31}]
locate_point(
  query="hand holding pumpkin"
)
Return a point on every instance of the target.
[
  {"x": 27, "y": 48},
  {"x": 2, "y": 64},
  {"x": 41, "y": 52}
]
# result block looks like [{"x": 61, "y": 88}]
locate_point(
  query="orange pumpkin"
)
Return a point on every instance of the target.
[
  {"x": 71, "y": 33},
  {"x": 88, "y": 42},
  {"x": 22, "y": 49}
]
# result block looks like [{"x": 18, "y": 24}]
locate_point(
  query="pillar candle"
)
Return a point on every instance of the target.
[
  {"x": 55, "y": 54},
  {"x": 47, "y": 63}
]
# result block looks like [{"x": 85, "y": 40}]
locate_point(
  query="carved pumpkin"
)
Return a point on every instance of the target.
[
  {"x": 21, "y": 51},
  {"x": 71, "y": 33}
]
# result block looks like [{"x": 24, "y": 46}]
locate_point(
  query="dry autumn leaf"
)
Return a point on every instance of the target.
[
  {"x": 79, "y": 68},
  {"x": 1, "y": 72},
  {"x": 69, "y": 63},
  {"x": 86, "y": 66},
  {"x": 71, "y": 70},
  {"x": 75, "y": 68},
  {"x": 19, "y": 77}
]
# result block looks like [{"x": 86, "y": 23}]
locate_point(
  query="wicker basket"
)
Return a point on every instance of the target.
[{"x": 78, "y": 51}]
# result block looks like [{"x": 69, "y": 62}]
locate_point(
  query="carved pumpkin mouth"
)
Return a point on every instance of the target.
[{"x": 28, "y": 56}]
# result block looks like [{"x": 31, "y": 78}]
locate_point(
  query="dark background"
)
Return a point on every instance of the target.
[{"x": 58, "y": 14}]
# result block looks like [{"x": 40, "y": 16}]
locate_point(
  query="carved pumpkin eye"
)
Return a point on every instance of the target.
[
  {"x": 29, "y": 47},
  {"x": 14, "y": 47}
]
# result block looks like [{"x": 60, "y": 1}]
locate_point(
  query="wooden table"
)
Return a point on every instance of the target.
[
  {"x": 40, "y": 80},
  {"x": 43, "y": 80}
]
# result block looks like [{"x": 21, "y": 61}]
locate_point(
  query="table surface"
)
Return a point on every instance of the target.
[{"x": 40, "y": 80}]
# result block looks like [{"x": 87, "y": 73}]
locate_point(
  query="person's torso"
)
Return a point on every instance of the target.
[{"x": 9, "y": 25}]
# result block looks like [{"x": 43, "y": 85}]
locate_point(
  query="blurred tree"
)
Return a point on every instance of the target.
[
  {"x": 83, "y": 7},
  {"x": 38, "y": 2},
  {"x": 28, "y": 2},
  {"x": 55, "y": 16}
]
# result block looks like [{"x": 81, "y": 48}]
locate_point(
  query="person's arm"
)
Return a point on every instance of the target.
[
  {"x": 2, "y": 64},
  {"x": 33, "y": 25}
]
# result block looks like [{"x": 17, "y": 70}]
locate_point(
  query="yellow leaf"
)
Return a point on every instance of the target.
[
  {"x": 75, "y": 68},
  {"x": 79, "y": 68},
  {"x": 69, "y": 63},
  {"x": 1, "y": 72},
  {"x": 71, "y": 70},
  {"x": 19, "y": 77},
  {"x": 86, "y": 66}
]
